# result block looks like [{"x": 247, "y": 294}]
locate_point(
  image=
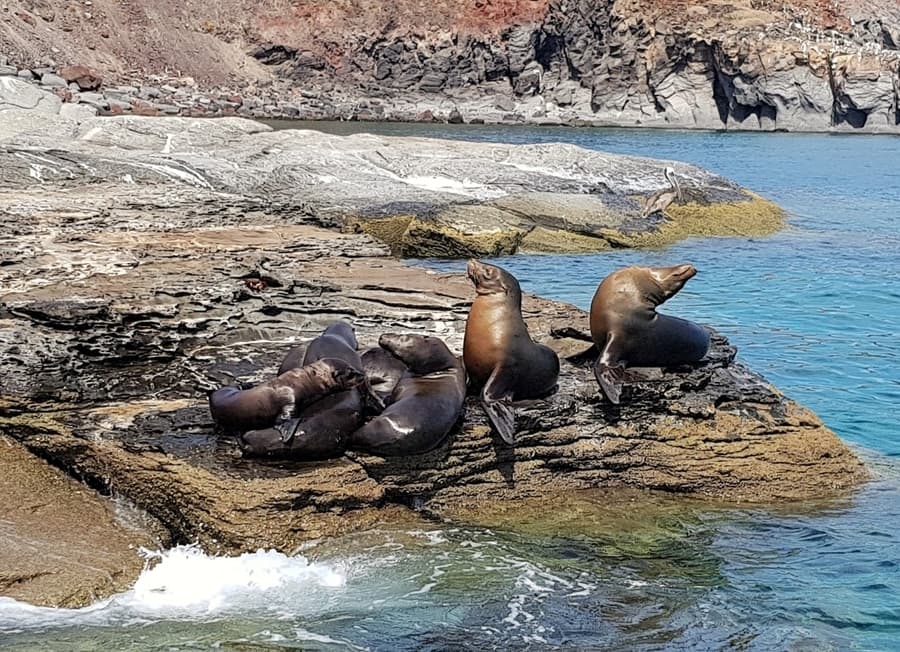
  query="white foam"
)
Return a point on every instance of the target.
[{"x": 186, "y": 583}]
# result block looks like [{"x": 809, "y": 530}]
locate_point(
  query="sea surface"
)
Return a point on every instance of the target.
[{"x": 814, "y": 308}]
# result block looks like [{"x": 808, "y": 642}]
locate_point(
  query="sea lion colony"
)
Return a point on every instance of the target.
[{"x": 413, "y": 387}]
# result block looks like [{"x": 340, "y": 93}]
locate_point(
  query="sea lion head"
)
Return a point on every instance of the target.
[
  {"x": 489, "y": 279},
  {"x": 662, "y": 283},
  {"x": 339, "y": 372},
  {"x": 422, "y": 354}
]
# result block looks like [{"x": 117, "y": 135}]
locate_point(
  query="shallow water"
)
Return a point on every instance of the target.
[{"x": 814, "y": 308}]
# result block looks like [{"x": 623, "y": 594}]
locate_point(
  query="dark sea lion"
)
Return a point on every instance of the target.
[
  {"x": 500, "y": 356},
  {"x": 319, "y": 432},
  {"x": 383, "y": 372},
  {"x": 629, "y": 332},
  {"x": 274, "y": 402},
  {"x": 337, "y": 341},
  {"x": 320, "y": 429},
  {"x": 425, "y": 404}
]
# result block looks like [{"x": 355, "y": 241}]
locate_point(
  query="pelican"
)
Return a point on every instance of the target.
[{"x": 660, "y": 200}]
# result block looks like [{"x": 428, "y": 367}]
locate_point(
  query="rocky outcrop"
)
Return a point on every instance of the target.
[
  {"x": 147, "y": 261},
  {"x": 801, "y": 65},
  {"x": 422, "y": 197},
  {"x": 61, "y": 544},
  {"x": 117, "y": 331}
]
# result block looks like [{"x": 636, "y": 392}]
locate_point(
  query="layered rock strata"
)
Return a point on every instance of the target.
[{"x": 801, "y": 65}]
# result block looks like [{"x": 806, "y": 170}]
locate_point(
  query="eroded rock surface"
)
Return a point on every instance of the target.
[
  {"x": 118, "y": 317},
  {"x": 423, "y": 197},
  {"x": 61, "y": 544}
]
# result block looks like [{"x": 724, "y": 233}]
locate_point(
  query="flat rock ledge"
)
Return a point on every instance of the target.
[
  {"x": 422, "y": 197},
  {"x": 118, "y": 327}
]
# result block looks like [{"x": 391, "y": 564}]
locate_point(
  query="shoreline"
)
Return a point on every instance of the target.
[
  {"x": 144, "y": 294},
  {"x": 180, "y": 97}
]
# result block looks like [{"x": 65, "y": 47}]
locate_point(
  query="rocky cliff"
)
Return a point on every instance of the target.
[{"x": 802, "y": 65}]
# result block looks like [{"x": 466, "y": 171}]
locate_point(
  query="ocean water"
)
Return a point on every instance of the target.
[{"x": 814, "y": 308}]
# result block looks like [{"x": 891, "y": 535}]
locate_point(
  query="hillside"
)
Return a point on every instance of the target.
[{"x": 748, "y": 64}]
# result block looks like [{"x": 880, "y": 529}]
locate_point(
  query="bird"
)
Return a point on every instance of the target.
[{"x": 660, "y": 200}]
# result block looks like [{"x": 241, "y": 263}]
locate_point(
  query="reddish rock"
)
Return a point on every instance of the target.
[
  {"x": 26, "y": 18},
  {"x": 87, "y": 78},
  {"x": 139, "y": 107}
]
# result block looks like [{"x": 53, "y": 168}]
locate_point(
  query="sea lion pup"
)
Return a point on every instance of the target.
[
  {"x": 320, "y": 429},
  {"x": 273, "y": 402},
  {"x": 629, "y": 332},
  {"x": 424, "y": 405},
  {"x": 500, "y": 356}
]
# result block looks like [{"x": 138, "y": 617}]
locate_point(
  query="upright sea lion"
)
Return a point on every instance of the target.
[
  {"x": 424, "y": 405},
  {"x": 320, "y": 429},
  {"x": 274, "y": 402},
  {"x": 499, "y": 354},
  {"x": 629, "y": 332}
]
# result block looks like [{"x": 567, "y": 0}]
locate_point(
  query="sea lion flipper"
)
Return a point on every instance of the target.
[
  {"x": 502, "y": 416},
  {"x": 287, "y": 429},
  {"x": 610, "y": 379}
]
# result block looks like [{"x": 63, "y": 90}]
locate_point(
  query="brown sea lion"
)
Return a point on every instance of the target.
[
  {"x": 274, "y": 402},
  {"x": 500, "y": 356},
  {"x": 425, "y": 404},
  {"x": 320, "y": 429},
  {"x": 629, "y": 332}
]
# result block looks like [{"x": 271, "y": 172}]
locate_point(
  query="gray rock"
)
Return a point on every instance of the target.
[
  {"x": 18, "y": 94},
  {"x": 8, "y": 70},
  {"x": 77, "y": 112},
  {"x": 4, "y": 61},
  {"x": 26, "y": 74},
  {"x": 96, "y": 100},
  {"x": 53, "y": 80}
]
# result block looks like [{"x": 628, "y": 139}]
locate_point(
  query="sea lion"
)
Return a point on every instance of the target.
[
  {"x": 337, "y": 341},
  {"x": 383, "y": 372},
  {"x": 500, "y": 356},
  {"x": 629, "y": 332},
  {"x": 320, "y": 429},
  {"x": 425, "y": 404},
  {"x": 273, "y": 402}
]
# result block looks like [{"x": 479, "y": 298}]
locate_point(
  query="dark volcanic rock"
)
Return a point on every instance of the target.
[{"x": 117, "y": 331}]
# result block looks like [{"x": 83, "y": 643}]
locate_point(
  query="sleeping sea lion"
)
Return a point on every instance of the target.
[
  {"x": 425, "y": 404},
  {"x": 273, "y": 402}
]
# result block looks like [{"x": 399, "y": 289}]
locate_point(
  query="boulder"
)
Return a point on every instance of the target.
[
  {"x": 52, "y": 80},
  {"x": 88, "y": 79}
]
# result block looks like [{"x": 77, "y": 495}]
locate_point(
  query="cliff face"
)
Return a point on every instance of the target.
[{"x": 743, "y": 64}]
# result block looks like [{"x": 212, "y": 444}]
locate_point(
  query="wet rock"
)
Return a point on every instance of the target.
[{"x": 62, "y": 544}]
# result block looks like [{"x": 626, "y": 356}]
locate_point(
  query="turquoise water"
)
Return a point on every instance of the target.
[{"x": 814, "y": 308}]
